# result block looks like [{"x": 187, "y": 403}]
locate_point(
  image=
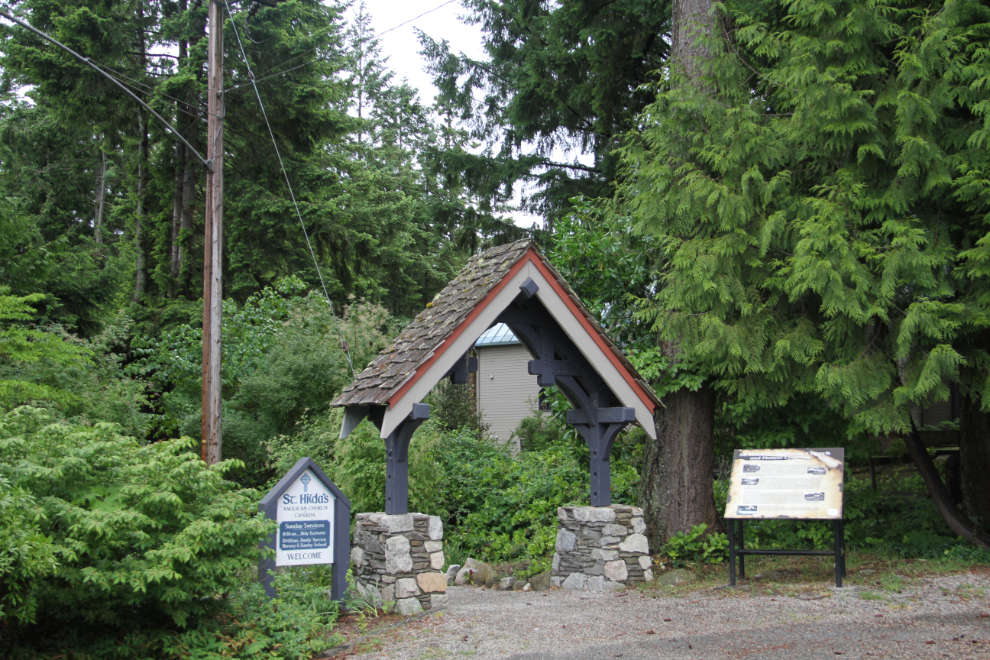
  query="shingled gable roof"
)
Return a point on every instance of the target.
[{"x": 389, "y": 375}]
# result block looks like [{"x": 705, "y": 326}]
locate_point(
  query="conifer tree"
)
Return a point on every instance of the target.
[{"x": 821, "y": 204}]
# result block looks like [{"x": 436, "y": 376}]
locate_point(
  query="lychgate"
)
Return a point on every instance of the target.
[{"x": 516, "y": 285}]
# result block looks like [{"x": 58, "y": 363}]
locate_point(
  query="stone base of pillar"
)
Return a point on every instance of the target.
[
  {"x": 397, "y": 560},
  {"x": 600, "y": 548}
]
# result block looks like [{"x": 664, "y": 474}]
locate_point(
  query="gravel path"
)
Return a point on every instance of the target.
[{"x": 936, "y": 617}]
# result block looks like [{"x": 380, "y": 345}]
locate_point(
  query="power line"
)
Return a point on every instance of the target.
[
  {"x": 87, "y": 62},
  {"x": 269, "y": 75},
  {"x": 340, "y": 334}
]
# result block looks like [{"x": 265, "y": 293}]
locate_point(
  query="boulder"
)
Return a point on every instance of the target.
[
  {"x": 565, "y": 540},
  {"x": 519, "y": 585},
  {"x": 397, "y": 558},
  {"x": 540, "y": 581},
  {"x": 676, "y": 576},
  {"x": 505, "y": 584},
  {"x": 436, "y": 560},
  {"x": 409, "y": 606},
  {"x": 635, "y": 543},
  {"x": 616, "y": 571},
  {"x": 406, "y": 588},
  {"x": 452, "y": 573},
  {"x": 474, "y": 572},
  {"x": 575, "y": 581},
  {"x": 432, "y": 582}
]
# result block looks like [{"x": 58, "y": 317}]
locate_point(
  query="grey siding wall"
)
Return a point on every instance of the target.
[{"x": 506, "y": 392}]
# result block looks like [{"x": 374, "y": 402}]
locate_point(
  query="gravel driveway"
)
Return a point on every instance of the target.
[{"x": 936, "y": 617}]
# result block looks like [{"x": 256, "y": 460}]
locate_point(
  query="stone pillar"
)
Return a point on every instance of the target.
[
  {"x": 601, "y": 547},
  {"x": 397, "y": 559}
]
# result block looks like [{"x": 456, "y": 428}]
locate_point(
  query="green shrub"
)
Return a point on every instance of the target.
[
  {"x": 143, "y": 535},
  {"x": 695, "y": 546}
]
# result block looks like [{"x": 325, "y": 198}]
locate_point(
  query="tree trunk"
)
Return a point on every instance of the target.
[
  {"x": 691, "y": 20},
  {"x": 142, "y": 171},
  {"x": 101, "y": 187},
  {"x": 676, "y": 486},
  {"x": 174, "y": 259},
  {"x": 142, "y": 189},
  {"x": 974, "y": 459},
  {"x": 952, "y": 516}
]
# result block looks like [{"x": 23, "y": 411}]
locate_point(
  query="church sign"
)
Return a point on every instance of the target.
[{"x": 313, "y": 519}]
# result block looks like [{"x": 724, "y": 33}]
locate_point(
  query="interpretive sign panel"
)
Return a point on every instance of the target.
[
  {"x": 786, "y": 483},
  {"x": 313, "y": 524}
]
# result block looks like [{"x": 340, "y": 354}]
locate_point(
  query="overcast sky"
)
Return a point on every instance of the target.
[{"x": 400, "y": 44}]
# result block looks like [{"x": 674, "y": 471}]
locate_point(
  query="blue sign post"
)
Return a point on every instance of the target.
[{"x": 313, "y": 525}]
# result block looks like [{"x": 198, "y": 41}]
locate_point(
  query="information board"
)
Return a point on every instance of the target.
[
  {"x": 305, "y": 523},
  {"x": 786, "y": 483}
]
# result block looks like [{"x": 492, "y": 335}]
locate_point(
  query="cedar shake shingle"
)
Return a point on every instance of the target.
[{"x": 427, "y": 332}]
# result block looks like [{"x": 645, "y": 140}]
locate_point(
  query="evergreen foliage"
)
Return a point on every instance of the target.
[{"x": 816, "y": 205}]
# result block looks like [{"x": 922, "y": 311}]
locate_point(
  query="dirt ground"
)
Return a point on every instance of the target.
[{"x": 773, "y": 616}]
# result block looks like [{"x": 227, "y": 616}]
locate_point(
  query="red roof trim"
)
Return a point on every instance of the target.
[
  {"x": 426, "y": 364},
  {"x": 529, "y": 256},
  {"x": 590, "y": 329}
]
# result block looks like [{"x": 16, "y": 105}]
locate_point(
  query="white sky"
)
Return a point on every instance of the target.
[{"x": 401, "y": 46}]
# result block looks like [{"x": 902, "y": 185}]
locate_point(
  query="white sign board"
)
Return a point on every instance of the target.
[
  {"x": 305, "y": 515},
  {"x": 786, "y": 483}
]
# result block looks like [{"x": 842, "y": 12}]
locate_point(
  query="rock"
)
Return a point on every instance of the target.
[
  {"x": 406, "y": 588},
  {"x": 433, "y": 546},
  {"x": 388, "y": 593},
  {"x": 527, "y": 587},
  {"x": 594, "y": 514},
  {"x": 676, "y": 576},
  {"x": 638, "y": 525},
  {"x": 615, "y": 530},
  {"x": 648, "y": 575},
  {"x": 595, "y": 583},
  {"x": 452, "y": 573},
  {"x": 438, "y": 602},
  {"x": 616, "y": 571},
  {"x": 409, "y": 606},
  {"x": 556, "y": 580},
  {"x": 474, "y": 572},
  {"x": 357, "y": 556},
  {"x": 574, "y": 581},
  {"x": 397, "y": 559},
  {"x": 565, "y": 540},
  {"x": 636, "y": 511},
  {"x": 645, "y": 562},
  {"x": 432, "y": 582},
  {"x": 561, "y": 514},
  {"x": 505, "y": 584},
  {"x": 520, "y": 584},
  {"x": 396, "y": 524},
  {"x": 610, "y": 540},
  {"x": 604, "y": 555},
  {"x": 541, "y": 581},
  {"x": 436, "y": 561},
  {"x": 635, "y": 543},
  {"x": 556, "y": 562},
  {"x": 613, "y": 586},
  {"x": 436, "y": 528}
]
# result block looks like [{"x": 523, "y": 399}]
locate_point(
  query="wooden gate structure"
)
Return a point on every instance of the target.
[{"x": 516, "y": 285}]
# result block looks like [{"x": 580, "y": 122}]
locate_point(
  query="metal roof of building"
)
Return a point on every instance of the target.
[{"x": 497, "y": 335}]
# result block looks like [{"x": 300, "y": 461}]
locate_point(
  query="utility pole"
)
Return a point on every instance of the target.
[{"x": 213, "y": 244}]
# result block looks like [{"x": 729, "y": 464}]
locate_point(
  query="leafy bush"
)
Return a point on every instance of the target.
[
  {"x": 143, "y": 535},
  {"x": 453, "y": 407},
  {"x": 695, "y": 546}
]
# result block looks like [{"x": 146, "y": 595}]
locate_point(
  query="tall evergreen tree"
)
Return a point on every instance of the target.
[{"x": 822, "y": 216}]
